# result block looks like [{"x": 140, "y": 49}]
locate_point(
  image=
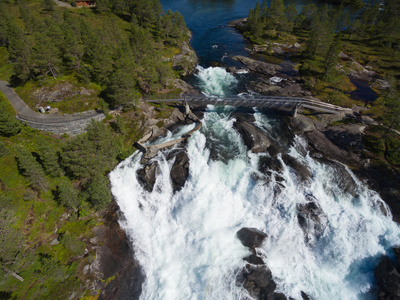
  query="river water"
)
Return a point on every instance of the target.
[{"x": 186, "y": 241}]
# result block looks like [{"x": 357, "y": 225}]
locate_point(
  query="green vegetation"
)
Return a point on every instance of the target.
[
  {"x": 119, "y": 46},
  {"x": 53, "y": 190},
  {"x": 372, "y": 39}
]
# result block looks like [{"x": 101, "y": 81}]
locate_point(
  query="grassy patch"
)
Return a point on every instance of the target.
[
  {"x": 65, "y": 93},
  {"x": 6, "y": 69}
]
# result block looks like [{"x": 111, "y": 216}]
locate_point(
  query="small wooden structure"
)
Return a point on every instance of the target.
[{"x": 81, "y": 3}]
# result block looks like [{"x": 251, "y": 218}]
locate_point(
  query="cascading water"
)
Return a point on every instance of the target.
[{"x": 186, "y": 241}]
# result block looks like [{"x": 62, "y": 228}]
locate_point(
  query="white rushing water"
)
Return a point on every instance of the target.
[{"x": 186, "y": 241}]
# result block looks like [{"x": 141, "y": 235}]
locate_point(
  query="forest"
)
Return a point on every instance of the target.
[
  {"x": 331, "y": 40},
  {"x": 54, "y": 190}
]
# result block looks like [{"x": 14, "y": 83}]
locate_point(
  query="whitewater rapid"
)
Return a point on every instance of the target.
[{"x": 186, "y": 241}]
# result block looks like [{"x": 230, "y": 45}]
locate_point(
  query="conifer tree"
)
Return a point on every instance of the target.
[
  {"x": 98, "y": 191},
  {"x": 67, "y": 195},
  {"x": 48, "y": 157},
  {"x": 31, "y": 169},
  {"x": 9, "y": 126}
]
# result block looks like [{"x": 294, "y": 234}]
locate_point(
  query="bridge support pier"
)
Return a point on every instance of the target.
[
  {"x": 187, "y": 108},
  {"x": 294, "y": 112}
]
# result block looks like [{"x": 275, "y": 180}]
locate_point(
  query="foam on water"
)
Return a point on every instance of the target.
[
  {"x": 215, "y": 81},
  {"x": 186, "y": 241}
]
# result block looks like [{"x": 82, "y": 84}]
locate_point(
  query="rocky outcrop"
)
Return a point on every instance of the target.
[
  {"x": 324, "y": 147},
  {"x": 114, "y": 258},
  {"x": 256, "y": 277},
  {"x": 147, "y": 175},
  {"x": 186, "y": 61},
  {"x": 256, "y": 140},
  {"x": 388, "y": 279},
  {"x": 251, "y": 237},
  {"x": 257, "y": 280},
  {"x": 312, "y": 220},
  {"x": 302, "y": 172},
  {"x": 258, "y": 66},
  {"x": 180, "y": 168}
]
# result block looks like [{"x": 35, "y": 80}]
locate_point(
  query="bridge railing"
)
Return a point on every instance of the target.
[{"x": 296, "y": 101}]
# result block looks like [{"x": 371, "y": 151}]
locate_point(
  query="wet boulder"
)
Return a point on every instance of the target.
[
  {"x": 302, "y": 171},
  {"x": 254, "y": 259},
  {"x": 251, "y": 237},
  {"x": 148, "y": 174},
  {"x": 257, "y": 280},
  {"x": 256, "y": 140},
  {"x": 180, "y": 169},
  {"x": 258, "y": 66},
  {"x": 388, "y": 279},
  {"x": 312, "y": 220}
]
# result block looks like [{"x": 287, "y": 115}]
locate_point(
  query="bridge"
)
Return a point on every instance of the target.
[{"x": 272, "y": 102}]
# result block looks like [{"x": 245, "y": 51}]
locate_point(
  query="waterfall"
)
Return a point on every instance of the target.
[{"x": 186, "y": 241}]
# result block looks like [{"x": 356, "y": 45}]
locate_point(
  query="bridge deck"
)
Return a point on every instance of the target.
[{"x": 258, "y": 101}]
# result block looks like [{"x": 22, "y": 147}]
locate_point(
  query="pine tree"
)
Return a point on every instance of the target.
[
  {"x": 31, "y": 169},
  {"x": 98, "y": 191},
  {"x": 276, "y": 15},
  {"x": 67, "y": 195},
  {"x": 9, "y": 126},
  {"x": 332, "y": 56},
  {"x": 48, "y": 157}
]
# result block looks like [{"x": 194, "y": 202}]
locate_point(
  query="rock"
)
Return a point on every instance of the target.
[
  {"x": 296, "y": 45},
  {"x": 302, "y": 123},
  {"x": 312, "y": 220},
  {"x": 397, "y": 254},
  {"x": 301, "y": 170},
  {"x": 180, "y": 169},
  {"x": 388, "y": 279},
  {"x": 54, "y": 242},
  {"x": 343, "y": 178},
  {"x": 147, "y": 175},
  {"x": 278, "y": 296},
  {"x": 186, "y": 61},
  {"x": 257, "y": 280},
  {"x": 258, "y": 66},
  {"x": 304, "y": 296},
  {"x": 115, "y": 258},
  {"x": 347, "y": 137},
  {"x": 254, "y": 259},
  {"x": 251, "y": 237},
  {"x": 318, "y": 141},
  {"x": 256, "y": 140}
]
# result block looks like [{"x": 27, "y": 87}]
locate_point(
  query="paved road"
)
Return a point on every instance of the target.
[
  {"x": 71, "y": 124},
  {"x": 19, "y": 105}
]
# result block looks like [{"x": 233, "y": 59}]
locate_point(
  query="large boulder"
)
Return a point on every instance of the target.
[
  {"x": 257, "y": 280},
  {"x": 256, "y": 140},
  {"x": 258, "y": 66},
  {"x": 251, "y": 237},
  {"x": 302, "y": 172},
  {"x": 388, "y": 279},
  {"x": 312, "y": 220},
  {"x": 147, "y": 175},
  {"x": 323, "y": 146},
  {"x": 180, "y": 169}
]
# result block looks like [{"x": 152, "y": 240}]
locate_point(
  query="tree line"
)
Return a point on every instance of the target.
[
  {"x": 324, "y": 31},
  {"x": 119, "y": 46}
]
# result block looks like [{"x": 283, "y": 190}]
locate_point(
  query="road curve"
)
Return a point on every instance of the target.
[{"x": 71, "y": 124}]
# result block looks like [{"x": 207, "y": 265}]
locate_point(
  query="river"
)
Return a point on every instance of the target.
[{"x": 186, "y": 241}]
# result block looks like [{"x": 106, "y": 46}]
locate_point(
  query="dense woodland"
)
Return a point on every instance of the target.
[
  {"x": 373, "y": 38},
  {"x": 56, "y": 188},
  {"x": 120, "y": 46}
]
